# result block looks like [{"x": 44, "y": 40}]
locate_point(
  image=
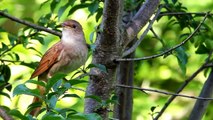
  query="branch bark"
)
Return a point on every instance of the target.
[
  {"x": 4, "y": 115},
  {"x": 201, "y": 105},
  {"x": 37, "y": 27},
  {"x": 101, "y": 83},
  {"x": 140, "y": 19}
]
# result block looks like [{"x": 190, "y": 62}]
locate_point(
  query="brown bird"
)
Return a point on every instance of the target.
[{"x": 65, "y": 56}]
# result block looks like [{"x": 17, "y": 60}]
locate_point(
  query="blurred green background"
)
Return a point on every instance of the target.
[{"x": 160, "y": 73}]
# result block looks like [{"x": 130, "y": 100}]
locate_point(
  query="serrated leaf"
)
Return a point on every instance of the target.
[
  {"x": 99, "y": 66},
  {"x": 71, "y": 95},
  {"x": 53, "y": 80},
  {"x": 94, "y": 97},
  {"x": 22, "y": 89}
]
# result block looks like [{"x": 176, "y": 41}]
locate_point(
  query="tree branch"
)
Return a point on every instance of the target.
[
  {"x": 205, "y": 65},
  {"x": 140, "y": 19},
  {"x": 132, "y": 49},
  {"x": 162, "y": 92},
  {"x": 37, "y": 27},
  {"x": 4, "y": 115},
  {"x": 169, "y": 50},
  {"x": 183, "y": 13}
]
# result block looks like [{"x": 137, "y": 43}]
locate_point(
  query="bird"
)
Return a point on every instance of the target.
[{"x": 65, "y": 56}]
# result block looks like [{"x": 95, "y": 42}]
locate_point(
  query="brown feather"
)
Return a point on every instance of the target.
[{"x": 49, "y": 58}]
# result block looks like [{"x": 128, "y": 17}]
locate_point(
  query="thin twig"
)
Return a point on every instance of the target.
[
  {"x": 183, "y": 13},
  {"x": 137, "y": 43},
  {"x": 162, "y": 92},
  {"x": 205, "y": 65},
  {"x": 37, "y": 27},
  {"x": 169, "y": 50}
]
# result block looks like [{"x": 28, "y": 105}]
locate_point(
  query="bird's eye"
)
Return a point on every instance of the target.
[{"x": 73, "y": 26}]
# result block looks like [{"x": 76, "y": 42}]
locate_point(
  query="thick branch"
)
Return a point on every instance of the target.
[
  {"x": 37, "y": 27},
  {"x": 141, "y": 18},
  {"x": 4, "y": 115},
  {"x": 106, "y": 49},
  {"x": 201, "y": 105},
  {"x": 137, "y": 43}
]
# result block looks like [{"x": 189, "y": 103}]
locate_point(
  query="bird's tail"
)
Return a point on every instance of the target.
[{"x": 42, "y": 90}]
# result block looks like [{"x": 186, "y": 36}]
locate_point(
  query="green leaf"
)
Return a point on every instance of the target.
[
  {"x": 99, "y": 14},
  {"x": 57, "y": 85},
  {"x": 22, "y": 89},
  {"x": 52, "y": 116},
  {"x": 5, "y": 94},
  {"x": 99, "y": 66},
  {"x": 93, "y": 7},
  {"x": 17, "y": 114},
  {"x": 76, "y": 7},
  {"x": 54, "y": 80},
  {"x": 76, "y": 81},
  {"x": 41, "y": 83},
  {"x": 52, "y": 101},
  {"x": 32, "y": 107},
  {"x": 71, "y": 95},
  {"x": 82, "y": 116},
  {"x": 94, "y": 97},
  {"x": 61, "y": 10},
  {"x": 5, "y": 73},
  {"x": 53, "y": 4},
  {"x": 202, "y": 49},
  {"x": 182, "y": 59},
  {"x": 4, "y": 47},
  {"x": 12, "y": 38},
  {"x": 91, "y": 37}
]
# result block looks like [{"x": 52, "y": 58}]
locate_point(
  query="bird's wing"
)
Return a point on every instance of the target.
[{"x": 48, "y": 59}]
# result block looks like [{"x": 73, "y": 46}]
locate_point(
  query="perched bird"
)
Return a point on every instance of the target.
[{"x": 64, "y": 57}]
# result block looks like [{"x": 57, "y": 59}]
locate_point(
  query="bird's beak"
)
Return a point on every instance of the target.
[{"x": 64, "y": 24}]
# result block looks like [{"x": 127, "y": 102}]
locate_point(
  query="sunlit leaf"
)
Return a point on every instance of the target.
[
  {"x": 99, "y": 66},
  {"x": 52, "y": 116},
  {"x": 5, "y": 94},
  {"x": 82, "y": 116},
  {"x": 77, "y": 81},
  {"x": 22, "y": 89},
  {"x": 94, "y": 97},
  {"x": 71, "y": 95},
  {"x": 53, "y": 80},
  {"x": 17, "y": 114}
]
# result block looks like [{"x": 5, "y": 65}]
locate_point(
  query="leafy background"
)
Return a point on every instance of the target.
[{"x": 166, "y": 73}]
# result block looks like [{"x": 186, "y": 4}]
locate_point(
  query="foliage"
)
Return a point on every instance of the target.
[{"x": 21, "y": 44}]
